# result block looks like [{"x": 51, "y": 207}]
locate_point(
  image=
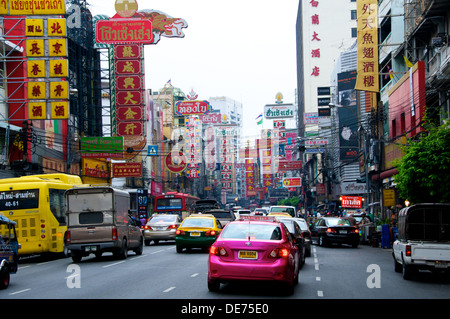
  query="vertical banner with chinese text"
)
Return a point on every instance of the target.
[{"x": 367, "y": 41}]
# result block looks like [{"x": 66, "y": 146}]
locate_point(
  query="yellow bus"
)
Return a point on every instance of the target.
[{"x": 36, "y": 204}]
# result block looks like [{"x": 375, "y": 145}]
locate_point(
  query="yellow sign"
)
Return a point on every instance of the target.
[
  {"x": 367, "y": 46},
  {"x": 56, "y": 27},
  {"x": 58, "y": 68},
  {"x": 36, "y": 68},
  {"x": 57, "y": 47},
  {"x": 59, "y": 90},
  {"x": 3, "y": 8},
  {"x": 35, "y": 47},
  {"x": 389, "y": 197},
  {"x": 37, "y": 111},
  {"x": 34, "y": 27},
  {"x": 36, "y": 7},
  {"x": 59, "y": 110},
  {"x": 36, "y": 90}
]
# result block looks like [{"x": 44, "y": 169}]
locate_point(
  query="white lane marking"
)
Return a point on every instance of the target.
[
  {"x": 119, "y": 262},
  {"x": 169, "y": 289},
  {"x": 319, "y": 293},
  {"x": 19, "y": 292},
  {"x": 316, "y": 266},
  {"x": 195, "y": 275},
  {"x": 317, "y": 278},
  {"x": 158, "y": 251}
]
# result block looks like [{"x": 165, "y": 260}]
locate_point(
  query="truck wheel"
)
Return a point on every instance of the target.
[
  {"x": 397, "y": 266},
  {"x": 76, "y": 256},
  {"x": 407, "y": 271},
  {"x": 123, "y": 252},
  {"x": 140, "y": 249},
  {"x": 4, "y": 278}
]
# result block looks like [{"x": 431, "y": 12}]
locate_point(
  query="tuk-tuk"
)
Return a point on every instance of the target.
[{"x": 9, "y": 247}]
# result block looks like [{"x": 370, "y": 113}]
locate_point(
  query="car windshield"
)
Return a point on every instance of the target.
[
  {"x": 162, "y": 219},
  {"x": 198, "y": 222},
  {"x": 338, "y": 222},
  {"x": 252, "y": 231},
  {"x": 241, "y": 212}
]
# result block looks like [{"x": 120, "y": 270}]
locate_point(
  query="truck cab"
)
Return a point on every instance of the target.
[{"x": 423, "y": 240}]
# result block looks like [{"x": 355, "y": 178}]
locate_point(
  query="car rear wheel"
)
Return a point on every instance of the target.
[
  {"x": 322, "y": 242},
  {"x": 179, "y": 249}
]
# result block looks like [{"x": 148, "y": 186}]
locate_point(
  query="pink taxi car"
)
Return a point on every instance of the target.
[{"x": 254, "y": 248}]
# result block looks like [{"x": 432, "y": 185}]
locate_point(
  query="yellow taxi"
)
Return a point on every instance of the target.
[{"x": 197, "y": 231}]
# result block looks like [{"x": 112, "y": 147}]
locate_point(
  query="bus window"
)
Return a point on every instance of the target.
[{"x": 57, "y": 205}]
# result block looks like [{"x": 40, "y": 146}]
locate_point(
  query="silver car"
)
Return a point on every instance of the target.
[{"x": 161, "y": 227}]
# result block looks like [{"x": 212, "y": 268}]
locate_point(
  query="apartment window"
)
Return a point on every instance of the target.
[
  {"x": 394, "y": 128},
  {"x": 402, "y": 123},
  {"x": 353, "y": 14},
  {"x": 354, "y": 32}
]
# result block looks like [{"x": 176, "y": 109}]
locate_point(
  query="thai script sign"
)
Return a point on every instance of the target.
[
  {"x": 351, "y": 201},
  {"x": 211, "y": 118},
  {"x": 192, "y": 107},
  {"x": 226, "y": 131},
  {"x": 272, "y": 111},
  {"x": 101, "y": 146},
  {"x": 34, "y": 7},
  {"x": 121, "y": 31}
]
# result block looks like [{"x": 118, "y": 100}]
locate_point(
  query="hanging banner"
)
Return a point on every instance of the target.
[{"x": 367, "y": 46}]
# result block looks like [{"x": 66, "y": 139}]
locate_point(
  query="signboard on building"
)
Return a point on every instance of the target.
[
  {"x": 192, "y": 107},
  {"x": 277, "y": 111},
  {"x": 351, "y": 201},
  {"x": 127, "y": 169}
]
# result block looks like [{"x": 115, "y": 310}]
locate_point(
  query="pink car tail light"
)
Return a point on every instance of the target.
[
  {"x": 279, "y": 252},
  {"x": 218, "y": 251}
]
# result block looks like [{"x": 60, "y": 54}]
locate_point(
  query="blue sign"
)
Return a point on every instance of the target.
[{"x": 153, "y": 150}]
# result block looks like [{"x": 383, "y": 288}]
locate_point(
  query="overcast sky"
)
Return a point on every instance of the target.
[{"x": 242, "y": 49}]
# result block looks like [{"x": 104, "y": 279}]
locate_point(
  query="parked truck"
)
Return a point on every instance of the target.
[
  {"x": 423, "y": 240},
  {"x": 98, "y": 221}
]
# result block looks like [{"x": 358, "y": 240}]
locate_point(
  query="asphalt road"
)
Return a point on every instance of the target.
[{"x": 341, "y": 273}]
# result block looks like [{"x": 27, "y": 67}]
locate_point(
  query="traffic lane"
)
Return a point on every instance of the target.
[
  {"x": 368, "y": 272},
  {"x": 154, "y": 274},
  {"x": 255, "y": 290}
]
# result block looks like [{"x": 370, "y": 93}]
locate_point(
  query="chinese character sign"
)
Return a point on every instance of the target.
[{"x": 367, "y": 40}]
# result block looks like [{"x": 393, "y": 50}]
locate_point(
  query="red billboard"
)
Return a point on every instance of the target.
[
  {"x": 192, "y": 107},
  {"x": 129, "y": 82},
  {"x": 351, "y": 201},
  {"x": 129, "y": 98},
  {"x": 130, "y": 113},
  {"x": 126, "y": 128},
  {"x": 127, "y": 169}
]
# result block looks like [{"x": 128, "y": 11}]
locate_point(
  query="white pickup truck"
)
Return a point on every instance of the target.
[{"x": 423, "y": 240}]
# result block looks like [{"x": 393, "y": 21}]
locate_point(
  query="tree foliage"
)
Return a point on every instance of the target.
[
  {"x": 424, "y": 169},
  {"x": 293, "y": 201}
]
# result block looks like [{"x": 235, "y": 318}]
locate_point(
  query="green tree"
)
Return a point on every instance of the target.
[{"x": 423, "y": 172}]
